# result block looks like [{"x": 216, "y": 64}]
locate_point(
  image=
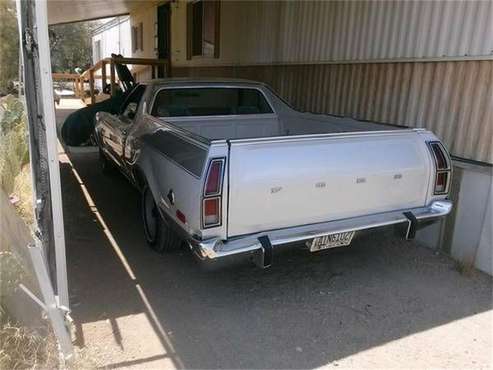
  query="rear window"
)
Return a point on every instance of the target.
[{"x": 182, "y": 102}]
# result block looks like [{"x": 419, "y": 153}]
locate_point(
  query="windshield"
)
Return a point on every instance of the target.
[{"x": 216, "y": 101}]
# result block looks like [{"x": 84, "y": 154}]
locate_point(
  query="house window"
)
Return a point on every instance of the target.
[
  {"x": 203, "y": 28},
  {"x": 138, "y": 37}
]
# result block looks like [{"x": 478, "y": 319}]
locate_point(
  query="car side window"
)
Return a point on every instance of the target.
[{"x": 129, "y": 107}]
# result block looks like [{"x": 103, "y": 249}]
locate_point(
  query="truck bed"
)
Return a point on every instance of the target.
[{"x": 237, "y": 127}]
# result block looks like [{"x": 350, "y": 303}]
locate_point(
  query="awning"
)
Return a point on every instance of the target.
[{"x": 68, "y": 11}]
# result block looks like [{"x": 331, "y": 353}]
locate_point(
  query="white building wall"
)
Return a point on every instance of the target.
[
  {"x": 147, "y": 14},
  {"x": 472, "y": 239},
  {"x": 484, "y": 254},
  {"x": 467, "y": 233},
  {"x": 341, "y": 31},
  {"x": 114, "y": 37}
]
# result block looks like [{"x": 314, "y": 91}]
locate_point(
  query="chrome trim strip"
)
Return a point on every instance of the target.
[
  {"x": 306, "y": 137},
  {"x": 184, "y": 134},
  {"x": 215, "y": 248}
]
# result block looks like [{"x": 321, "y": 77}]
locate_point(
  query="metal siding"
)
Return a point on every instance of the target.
[
  {"x": 298, "y": 48},
  {"x": 322, "y": 31},
  {"x": 452, "y": 99}
]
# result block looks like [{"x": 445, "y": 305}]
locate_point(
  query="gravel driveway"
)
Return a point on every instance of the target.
[{"x": 382, "y": 302}]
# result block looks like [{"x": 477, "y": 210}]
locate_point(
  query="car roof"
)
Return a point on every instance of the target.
[{"x": 184, "y": 81}]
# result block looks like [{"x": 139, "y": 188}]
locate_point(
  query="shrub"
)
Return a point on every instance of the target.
[{"x": 14, "y": 149}]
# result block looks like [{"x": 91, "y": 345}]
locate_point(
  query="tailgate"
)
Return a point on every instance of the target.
[{"x": 292, "y": 181}]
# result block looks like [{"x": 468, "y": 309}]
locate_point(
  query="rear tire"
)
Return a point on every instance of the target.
[{"x": 159, "y": 235}]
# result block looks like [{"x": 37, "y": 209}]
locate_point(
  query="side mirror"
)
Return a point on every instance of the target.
[{"x": 130, "y": 110}]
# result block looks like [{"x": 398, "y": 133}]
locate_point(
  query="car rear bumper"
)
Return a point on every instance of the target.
[{"x": 259, "y": 245}]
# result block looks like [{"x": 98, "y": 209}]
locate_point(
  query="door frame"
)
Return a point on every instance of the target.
[{"x": 163, "y": 36}]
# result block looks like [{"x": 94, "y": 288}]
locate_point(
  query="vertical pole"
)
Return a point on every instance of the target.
[
  {"x": 54, "y": 313},
  {"x": 112, "y": 77},
  {"x": 46, "y": 85},
  {"x": 103, "y": 76},
  {"x": 91, "y": 86}
]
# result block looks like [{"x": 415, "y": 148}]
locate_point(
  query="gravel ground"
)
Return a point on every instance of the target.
[{"x": 383, "y": 302}]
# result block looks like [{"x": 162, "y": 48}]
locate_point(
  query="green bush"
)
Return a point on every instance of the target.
[
  {"x": 9, "y": 46},
  {"x": 14, "y": 148}
]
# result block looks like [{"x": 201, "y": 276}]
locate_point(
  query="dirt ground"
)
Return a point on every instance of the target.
[{"x": 383, "y": 302}]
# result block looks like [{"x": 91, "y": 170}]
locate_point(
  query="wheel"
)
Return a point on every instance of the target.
[
  {"x": 159, "y": 235},
  {"x": 106, "y": 166}
]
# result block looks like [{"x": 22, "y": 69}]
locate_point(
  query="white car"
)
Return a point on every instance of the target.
[{"x": 233, "y": 170}]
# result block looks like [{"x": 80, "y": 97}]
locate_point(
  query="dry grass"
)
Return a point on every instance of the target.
[
  {"x": 14, "y": 155},
  {"x": 21, "y": 348},
  {"x": 23, "y": 191},
  {"x": 14, "y": 151}
]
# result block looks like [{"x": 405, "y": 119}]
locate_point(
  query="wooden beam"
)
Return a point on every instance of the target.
[
  {"x": 217, "y": 29},
  {"x": 112, "y": 78},
  {"x": 64, "y": 76},
  {"x": 141, "y": 61},
  {"x": 81, "y": 88},
  {"x": 91, "y": 85},
  {"x": 103, "y": 76}
]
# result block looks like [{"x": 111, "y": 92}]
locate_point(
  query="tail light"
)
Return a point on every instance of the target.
[
  {"x": 442, "y": 167},
  {"x": 212, "y": 195}
]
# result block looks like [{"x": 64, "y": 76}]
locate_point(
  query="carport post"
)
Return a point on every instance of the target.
[
  {"x": 35, "y": 51},
  {"x": 91, "y": 85},
  {"x": 52, "y": 150},
  {"x": 112, "y": 77},
  {"x": 103, "y": 76}
]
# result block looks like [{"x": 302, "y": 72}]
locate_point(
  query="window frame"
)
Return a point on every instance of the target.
[
  {"x": 190, "y": 30},
  {"x": 128, "y": 100},
  {"x": 184, "y": 118},
  {"x": 137, "y": 37}
]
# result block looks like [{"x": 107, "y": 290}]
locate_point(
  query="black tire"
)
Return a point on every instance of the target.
[
  {"x": 106, "y": 166},
  {"x": 159, "y": 235}
]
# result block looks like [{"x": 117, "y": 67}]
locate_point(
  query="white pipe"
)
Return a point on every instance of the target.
[{"x": 48, "y": 105}]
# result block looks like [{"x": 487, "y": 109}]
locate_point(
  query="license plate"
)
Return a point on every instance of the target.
[{"x": 330, "y": 241}]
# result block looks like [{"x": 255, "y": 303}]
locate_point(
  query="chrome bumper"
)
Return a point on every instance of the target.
[{"x": 260, "y": 244}]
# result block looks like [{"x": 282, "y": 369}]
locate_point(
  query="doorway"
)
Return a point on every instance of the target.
[{"x": 163, "y": 36}]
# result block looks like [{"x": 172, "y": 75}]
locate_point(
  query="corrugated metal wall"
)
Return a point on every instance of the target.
[
  {"x": 452, "y": 99},
  {"x": 315, "y": 31},
  {"x": 298, "y": 47}
]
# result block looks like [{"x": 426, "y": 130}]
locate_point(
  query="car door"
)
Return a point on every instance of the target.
[{"x": 117, "y": 127}]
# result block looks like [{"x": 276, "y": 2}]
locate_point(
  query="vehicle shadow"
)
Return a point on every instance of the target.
[{"x": 306, "y": 311}]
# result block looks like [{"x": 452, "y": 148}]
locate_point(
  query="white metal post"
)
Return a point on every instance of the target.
[
  {"x": 43, "y": 41},
  {"x": 50, "y": 304}
]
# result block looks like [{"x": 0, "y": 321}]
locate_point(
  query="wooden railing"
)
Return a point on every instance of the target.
[
  {"x": 74, "y": 77},
  {"x": 89, "y": 76}
]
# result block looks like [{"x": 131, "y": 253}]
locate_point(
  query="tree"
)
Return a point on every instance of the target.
[
  {"x": 9, "y": 46},
  {"x": 71, "y": 46}
]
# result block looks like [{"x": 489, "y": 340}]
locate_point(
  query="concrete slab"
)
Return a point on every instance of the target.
[{"x": 382, "y": 302}]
